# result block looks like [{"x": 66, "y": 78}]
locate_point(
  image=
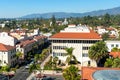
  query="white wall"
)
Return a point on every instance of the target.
[
  {"x": 78, "y": 51},
  {"x": 112, "y": 44},
  {"x": 7, "y": 56},
  {"x": 6, "y": 39}
]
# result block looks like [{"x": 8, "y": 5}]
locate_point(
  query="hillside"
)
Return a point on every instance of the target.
[{"x": 113, "y": 11}]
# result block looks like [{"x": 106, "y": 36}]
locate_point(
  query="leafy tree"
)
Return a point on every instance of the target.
[
  {"x": 53, "y": 20},
  {"x": 70, "y": 55},
  {"x": 5, "y": 68},
  {"x": 115, "y": 49},
  {"x": 116, "y": 63},
  {"x": 19, "y": 54},
  {"x": 55, "y": 59},
  {"x": 71, "y": 73},
  {"x": 106, "y": 20},
  {"x": 112, "y": 62},
  {"x": 105, "y": 36},
  {"x": 36, "y": 57},
  {"x": 34, "y": 67},
  {"x": 98, "y": 51},
  {"x": 109, "y": 62}
]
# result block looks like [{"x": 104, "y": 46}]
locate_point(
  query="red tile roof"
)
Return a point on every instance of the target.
[
  {"x": 26, "y": 42},
  {"x": 68, "y": 35},
  {"x": 87, "y": 72},
  {"x": 115, "y": 54},
  {"x": 5, "y": 47},
  {"x": 40, "y": 37}
]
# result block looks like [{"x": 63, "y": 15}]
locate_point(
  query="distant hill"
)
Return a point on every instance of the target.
[{"x": 113, "y": 11}]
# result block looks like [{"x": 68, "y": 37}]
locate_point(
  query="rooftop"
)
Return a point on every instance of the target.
[
  {"x": 115, "y": 54},
  {"x": 71, "y": 35},
  {"x": 87, "y": 72},
  {"x": 76, "y": 32},
  {"x": 5, "y": 47}
]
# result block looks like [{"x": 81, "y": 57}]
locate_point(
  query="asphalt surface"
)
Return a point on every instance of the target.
[{"x": 21, "y": 74}]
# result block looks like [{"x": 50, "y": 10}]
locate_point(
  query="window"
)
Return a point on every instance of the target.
[
  {"x": 112, "y": 45},
  {"x": 85, "y": 48},
  {"x": 4, "y": 61},
  {"x": 85, "y": 55},
  {"x": 116, "y": 45},
  {"x": 59, "y": 47}
]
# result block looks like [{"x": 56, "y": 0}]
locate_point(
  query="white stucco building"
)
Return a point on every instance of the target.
[
  {"x": 7, "y": 39},
  {"x": 112, "y": 44},
  {"x": 78, "y": 37},
  {"x": 7, "y": 55}
]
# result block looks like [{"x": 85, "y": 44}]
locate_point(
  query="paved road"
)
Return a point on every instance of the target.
[{"x": 21, "y": 74}]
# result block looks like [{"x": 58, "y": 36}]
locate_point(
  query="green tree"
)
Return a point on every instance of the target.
[
  {"x": 105, "y": 36},
  {"x": 116, "y": 63},
  {"x": 71, "y": 73},
  {"x": 19, "y": 54},
  {"x": 98, "y": 51},
  {"x": 70, "y": 55},
  {"x": 112, "y": 62},
  {"x": 5, "y": 68},
  {"x": 115, "y": 49},
  {"x": 34, "y": 67},
  {"x": 36, "y": 57},
  {"x": 106, "y": 20},
  {"x": 55, "y": 59},
  {"x": 109, "y": 62},
  {"x": 53, "y": 20}
]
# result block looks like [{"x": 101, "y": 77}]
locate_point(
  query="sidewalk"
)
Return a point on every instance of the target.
[
  {"x": 46, "y": 60},
  {"x": 42, "y": 67},
  {"x": 31, "y": 76}
]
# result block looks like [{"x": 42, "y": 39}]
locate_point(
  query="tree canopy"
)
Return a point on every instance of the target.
[
  {"x": 71, "y": 73},
  {"x": 98, "y": 51}
]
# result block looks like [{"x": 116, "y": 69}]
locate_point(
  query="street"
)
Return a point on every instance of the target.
[{"x": 21, "y": 74}]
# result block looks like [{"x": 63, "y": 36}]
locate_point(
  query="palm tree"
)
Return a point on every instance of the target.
[
  {"x": 109, "y": 62},
  {"x": 98, "y": 51},
  {"x": 116, "y": 63},
  {"x": 71, "y": 73},
  {"x": 70, "y": 55}
]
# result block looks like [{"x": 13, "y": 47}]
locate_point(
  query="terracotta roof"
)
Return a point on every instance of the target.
[
  {"x": 5, "y": 47},
  {"x": 68, "y": 35},
  {"x": 87, "y": 72},
  {"x": 110, "y": 28},
  {"x": 115, "y": 54},
  {"x": 26, "y": 42},
  {"x": 40, "y": 37}
]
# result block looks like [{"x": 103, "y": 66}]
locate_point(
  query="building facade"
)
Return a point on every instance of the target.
[
  {"x": 7, "y": 39},
  {"x": 7, "y": 55},
  {"x": 78, "y": 37},
  {"x": 112, "y": 44}
]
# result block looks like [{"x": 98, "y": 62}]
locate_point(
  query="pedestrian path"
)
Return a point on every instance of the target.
[
  {"x": 42, "y": 67},
  {"x": 46, "y": 60}
]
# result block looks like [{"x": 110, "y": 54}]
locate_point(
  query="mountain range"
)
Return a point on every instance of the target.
[{"x": 113, "y": 11}]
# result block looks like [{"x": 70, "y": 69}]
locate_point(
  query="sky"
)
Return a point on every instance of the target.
[{"x": 18, "y": 8}]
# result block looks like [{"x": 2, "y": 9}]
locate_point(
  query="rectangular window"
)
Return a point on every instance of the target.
[
  {"x": 85, "y": 48},
  {"x": 85, "y": 55},
  {"x": 112, "y": 45},
  {"x": 116, "y": 45}
]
